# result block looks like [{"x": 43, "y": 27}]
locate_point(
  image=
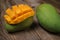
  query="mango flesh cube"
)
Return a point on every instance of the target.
[
  {"x": 7, "y": 18},
  {"x": 16, "y": 9},
  {"x": 10, "y": 13}
]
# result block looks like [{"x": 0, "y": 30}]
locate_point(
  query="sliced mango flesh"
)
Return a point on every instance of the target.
[
  {"x": 18, "y": 13},
  {"x": 16, "y": 9},
  {"x": 7, "y": 18},
  {"x": 10, "y": 12}
]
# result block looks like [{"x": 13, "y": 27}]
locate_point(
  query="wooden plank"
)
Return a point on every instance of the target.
[
  {"x": 35, "y": 33},
  {"x": 25, "y": 35}
]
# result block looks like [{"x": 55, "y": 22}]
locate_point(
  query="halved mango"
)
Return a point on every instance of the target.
[
  {"x": 18, "y": 13},
  {"x": 18, "y": 18}
]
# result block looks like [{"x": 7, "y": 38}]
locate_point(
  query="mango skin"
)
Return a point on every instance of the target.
[
  {"x": 48, "y": 17},
  {"x": 21, "y": 26}
]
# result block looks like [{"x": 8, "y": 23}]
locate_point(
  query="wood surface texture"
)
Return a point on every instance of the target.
[{"x": 36, "y": 32}]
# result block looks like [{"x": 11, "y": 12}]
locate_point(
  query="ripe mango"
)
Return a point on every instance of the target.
[
  {"x": 18, "y": 17},
  {"x": 48, "y": 17},
  {"x": 20, "y": 26}
]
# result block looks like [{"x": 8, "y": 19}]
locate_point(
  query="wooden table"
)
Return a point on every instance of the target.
[{"x": 36, "y": 32}]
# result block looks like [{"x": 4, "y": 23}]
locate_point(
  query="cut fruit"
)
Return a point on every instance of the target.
[
  {"x": 18, "y": 18},
  {"x": 19, "y": 13}
]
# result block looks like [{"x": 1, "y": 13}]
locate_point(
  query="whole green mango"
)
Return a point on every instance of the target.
[{"x": 48, "y": 17}]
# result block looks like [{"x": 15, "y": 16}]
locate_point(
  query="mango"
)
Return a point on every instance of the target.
[
  {"x": 26, "y": 24},
  {"x": 18, "y": 17},
  {"x": 48, "y": 17}
]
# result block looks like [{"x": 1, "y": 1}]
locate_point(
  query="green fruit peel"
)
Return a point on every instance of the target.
[{"x": 48, "y": 17}]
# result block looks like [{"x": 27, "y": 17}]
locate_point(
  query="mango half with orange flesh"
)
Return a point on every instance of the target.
[{"x": 19, "y": 17}]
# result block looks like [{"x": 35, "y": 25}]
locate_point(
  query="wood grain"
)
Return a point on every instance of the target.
[{"x": 36, "y": 32}]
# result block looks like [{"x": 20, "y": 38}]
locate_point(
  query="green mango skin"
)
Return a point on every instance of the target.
[
  {"x": 21, "y": 26},
  {"x": 48, "y": 17}
]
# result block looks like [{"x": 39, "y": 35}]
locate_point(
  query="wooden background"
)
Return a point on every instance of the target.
[{"x": 36, "y": 32}]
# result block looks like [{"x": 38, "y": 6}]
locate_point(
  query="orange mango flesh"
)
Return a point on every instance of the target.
[{"x": 18, "y": 13}]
